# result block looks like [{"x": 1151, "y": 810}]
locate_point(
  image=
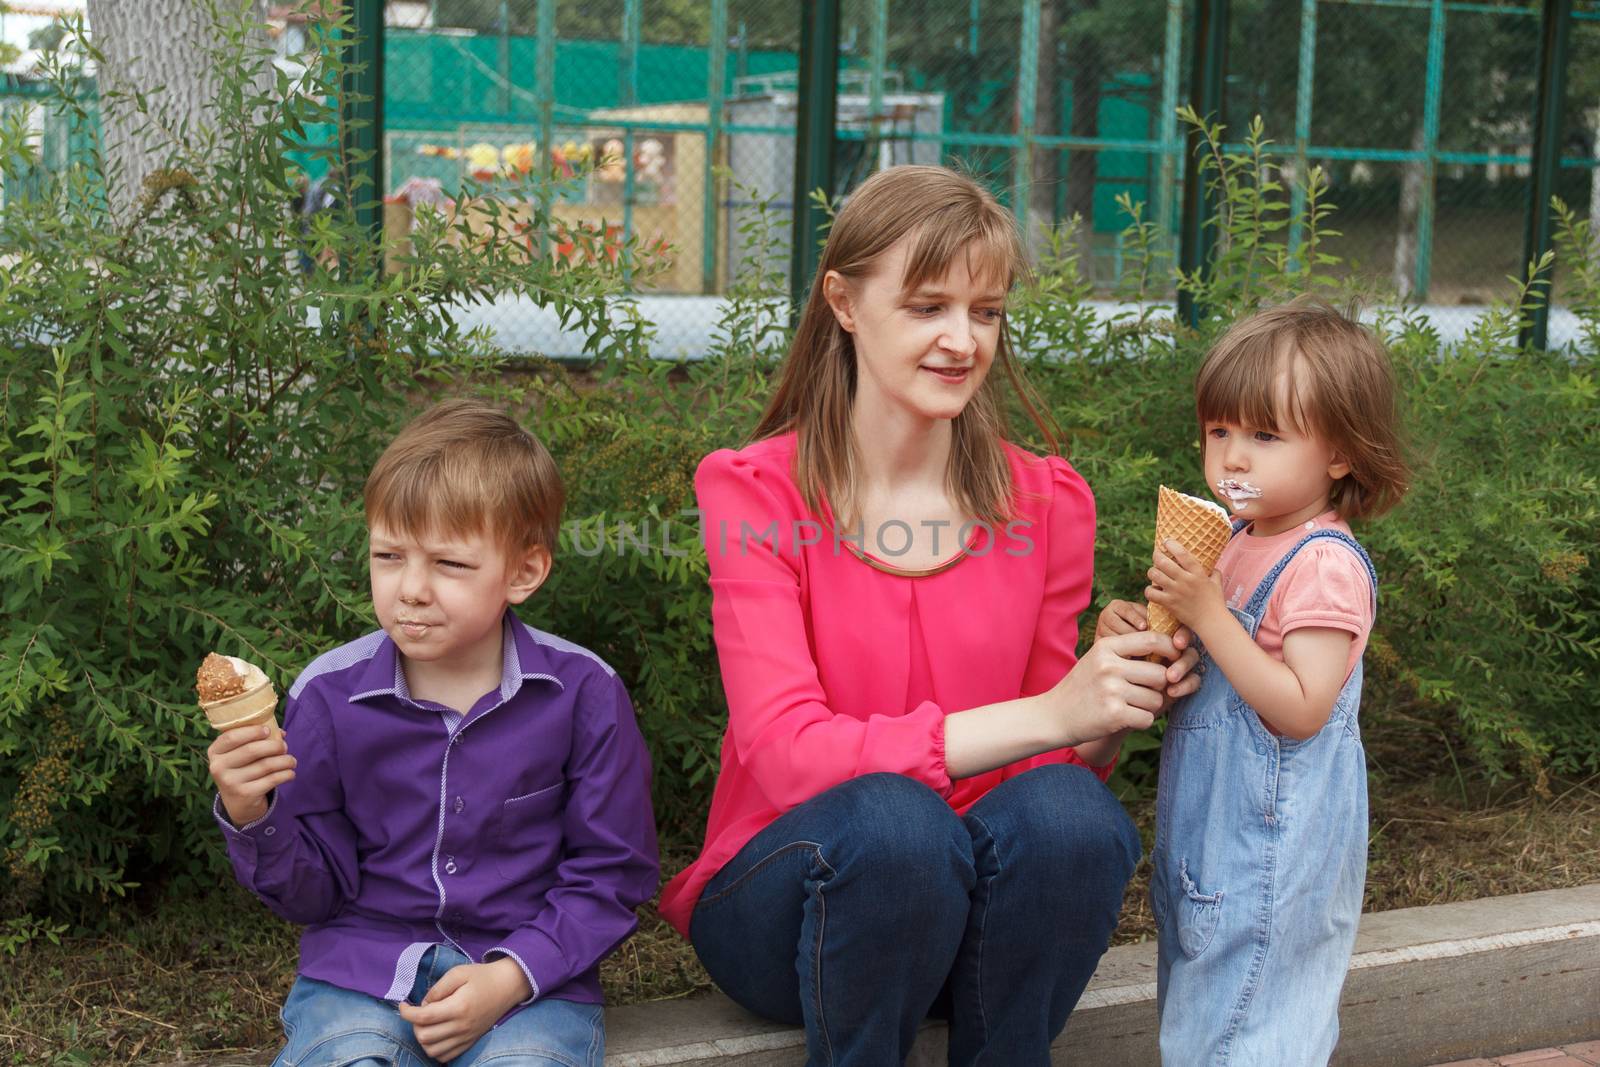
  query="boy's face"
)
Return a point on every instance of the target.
[{"x": 441, "y": 597}]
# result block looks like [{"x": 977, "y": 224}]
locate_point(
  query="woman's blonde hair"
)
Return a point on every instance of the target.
[
  {"x": 945, "y": 214},
  {"x": 1339, "y": 385}
]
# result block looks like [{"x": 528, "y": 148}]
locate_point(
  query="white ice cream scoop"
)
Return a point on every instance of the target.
[{"x": 1238, "y": 493}]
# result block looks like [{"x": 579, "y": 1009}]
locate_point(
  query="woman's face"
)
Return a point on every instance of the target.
[{"x": 922, "y": 352}]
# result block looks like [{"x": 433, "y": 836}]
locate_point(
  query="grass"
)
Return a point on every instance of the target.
[{"x": 203, "y": 974}]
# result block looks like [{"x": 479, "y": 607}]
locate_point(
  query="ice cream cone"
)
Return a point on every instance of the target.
[
  {"x": 1200, "y": 526},
  {"x": 254, "y": 703}
]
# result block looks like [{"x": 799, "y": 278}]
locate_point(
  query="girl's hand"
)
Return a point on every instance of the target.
[
  {"x": 247, "y": 763},
  {"x": 1179, "y": 583}
]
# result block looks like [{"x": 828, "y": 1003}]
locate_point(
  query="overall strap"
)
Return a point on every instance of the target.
[{"x": 1258, "y": 600}]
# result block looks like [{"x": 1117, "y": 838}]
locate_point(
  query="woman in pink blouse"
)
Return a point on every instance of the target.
[{"x": 911, "y": 813}]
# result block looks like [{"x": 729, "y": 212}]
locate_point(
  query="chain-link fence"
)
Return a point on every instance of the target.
[{"x": 1421, "y": 112}]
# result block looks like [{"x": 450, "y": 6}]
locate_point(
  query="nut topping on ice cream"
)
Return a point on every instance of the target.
[
  {"x": 218, "y": 679},
  {"x": 235, "y": 693}
]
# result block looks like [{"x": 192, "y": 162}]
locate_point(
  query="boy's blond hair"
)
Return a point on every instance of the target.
[
  {"x": 466, "y": 467},
  {"x": 1341, "y": 390}
]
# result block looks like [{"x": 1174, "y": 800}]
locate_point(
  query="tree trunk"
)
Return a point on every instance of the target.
[
  {"x": 1594, "y": 187},
  {"x": 160, "y": 48},
  {"x": 1047, "y": 121},
  {"x": 1405, "y": 240}
]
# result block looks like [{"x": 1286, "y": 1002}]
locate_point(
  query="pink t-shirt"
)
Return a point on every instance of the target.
[
  {"x": 1325, "y": 585},
  {"x": 836, "y": 668}
]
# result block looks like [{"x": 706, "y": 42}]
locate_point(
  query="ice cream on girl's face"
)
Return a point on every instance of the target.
[{"x": 1238, "y": 493}]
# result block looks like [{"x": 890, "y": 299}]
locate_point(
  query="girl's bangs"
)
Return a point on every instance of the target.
[{"x": 1244, "y": 386}]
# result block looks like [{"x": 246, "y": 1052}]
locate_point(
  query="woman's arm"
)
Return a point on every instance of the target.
[
  {"x": 779, "y": 723},
  {"x": 1110, "y": 691}
]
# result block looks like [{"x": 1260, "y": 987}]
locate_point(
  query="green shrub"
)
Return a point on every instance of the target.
[
  {"x": 183, "y": 444},
  {"x": 186, "y": 421},
  {"x": 1489, "y": 617}
]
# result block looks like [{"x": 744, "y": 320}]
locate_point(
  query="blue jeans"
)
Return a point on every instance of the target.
[
  {"x": 332, "y": 1027},
  {"x": 869, "y": 905}
]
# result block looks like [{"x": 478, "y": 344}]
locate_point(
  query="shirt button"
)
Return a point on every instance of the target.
[
  {"x": 269, "y": 831},
  {"x": 460, "y": 805},
  {"x": 449, "y": 865}
]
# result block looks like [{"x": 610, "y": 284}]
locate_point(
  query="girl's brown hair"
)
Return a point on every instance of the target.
[
  {"x": 945, "y": 214},
  {"x": 1339, "y": 386}
]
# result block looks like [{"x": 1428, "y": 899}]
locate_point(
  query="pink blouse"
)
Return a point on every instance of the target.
[{"x": 834, "y": 668}]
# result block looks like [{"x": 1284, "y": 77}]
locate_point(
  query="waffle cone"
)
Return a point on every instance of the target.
[
  {"x": 1200, "y": 526},
  {"x": 256, "y": 706}
]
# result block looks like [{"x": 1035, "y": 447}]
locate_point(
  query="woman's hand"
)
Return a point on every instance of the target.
[
  {"x": 1128, "y": 617},
  {"x": 1112, "y": 688},
  {"x": 1121, "y": 617}
]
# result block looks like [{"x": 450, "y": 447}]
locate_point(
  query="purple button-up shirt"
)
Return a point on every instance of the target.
[{"x": 521, "y": 829}]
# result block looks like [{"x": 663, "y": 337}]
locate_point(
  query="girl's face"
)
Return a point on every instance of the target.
[
  {"x": 1279, "y": 478},
  {"x": 923, "y": 352}
]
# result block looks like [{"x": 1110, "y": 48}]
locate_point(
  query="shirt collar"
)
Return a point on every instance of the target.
[{"x": 522, "y": 659}]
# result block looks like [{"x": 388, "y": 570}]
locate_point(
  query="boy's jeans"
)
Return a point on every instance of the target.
[
  {"x": 332, "y": 1027},
  {"x": 872, "y": 903}
]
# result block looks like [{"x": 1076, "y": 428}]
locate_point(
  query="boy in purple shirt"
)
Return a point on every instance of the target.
[{"x": 457, "y": 809}]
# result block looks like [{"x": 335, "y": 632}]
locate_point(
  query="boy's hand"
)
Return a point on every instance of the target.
[
  {"x": 248, "y": 763},
  {"x": 1179, "y": 583},
  {"x": 464, "y": 1004}
]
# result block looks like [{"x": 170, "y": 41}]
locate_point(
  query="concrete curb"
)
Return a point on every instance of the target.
[
  {"x": 1427, "y": 985},
  {"x": 1453, "y": 981}
]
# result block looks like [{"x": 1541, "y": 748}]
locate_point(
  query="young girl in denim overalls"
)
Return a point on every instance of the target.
[{"x": 1261, "y": 813}]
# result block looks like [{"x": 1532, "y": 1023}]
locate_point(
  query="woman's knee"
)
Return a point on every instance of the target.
[
  {"x": 894, "y": 830},
  {"x": 1064, "y": 816}
]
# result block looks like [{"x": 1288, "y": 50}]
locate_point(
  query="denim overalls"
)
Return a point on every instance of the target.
[{"x": 1258, "y": 868}]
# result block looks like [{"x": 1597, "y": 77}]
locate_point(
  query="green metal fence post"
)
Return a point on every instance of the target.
[
  {"x": 816, "y": 109},
  {"x": 362, "y": 102},
  {"x": 973, "y": 13},
  {"x": 716, "y": 66},
  {"x": 879, "y": 59},
  {"x": 1430, "y": 148},
  {"x": 1171, "y": 148},
  {"x": 1302, "y": 118},
  {"x": 1208, "y": 41},
  {"x": 545, "y": 89},
  {"x": 1554, "y": 36},
  {"x": 504, "y": 56},
  {"x": 1027, "y": 108},
  {"x": 628, "y": 96},
  {"x": 628, "y": 54}
]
